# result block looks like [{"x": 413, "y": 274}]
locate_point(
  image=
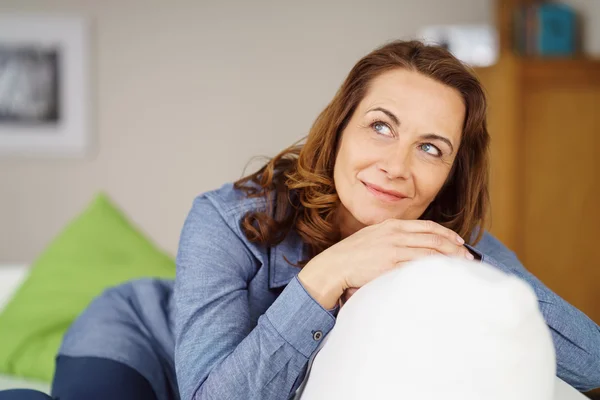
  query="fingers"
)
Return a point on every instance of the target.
[
  {"x": 404, "y": 254},
  {"x": 436, "y": 242},
  {"x": 426, "y": 226}
]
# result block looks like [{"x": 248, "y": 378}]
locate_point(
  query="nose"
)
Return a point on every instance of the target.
[{"x": 396, "y": 162}]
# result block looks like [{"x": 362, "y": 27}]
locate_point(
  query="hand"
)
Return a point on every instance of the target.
[
  {"x": 346, "y": 295},
  {"x": 373, "y": 251}
]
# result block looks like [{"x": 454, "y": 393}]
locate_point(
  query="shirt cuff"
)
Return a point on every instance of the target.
[
  {"x": 476, "y": 252},
  {"x": 300, "y": 319},
  {"x": 334, "y": 311}
]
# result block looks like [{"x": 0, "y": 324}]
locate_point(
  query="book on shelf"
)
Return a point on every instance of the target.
[{"x": 545, "y": 30}]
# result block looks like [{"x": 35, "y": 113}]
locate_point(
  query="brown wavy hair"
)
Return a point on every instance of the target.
[{"x": 298, "y": 183}]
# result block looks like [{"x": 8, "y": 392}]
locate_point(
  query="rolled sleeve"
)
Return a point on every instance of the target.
[{"x": 300, "y": 320}]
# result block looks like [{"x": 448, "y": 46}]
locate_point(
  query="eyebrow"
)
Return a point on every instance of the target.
[
  {"x": 428, "y": 136},
  {"x": 390, "y": 114}
]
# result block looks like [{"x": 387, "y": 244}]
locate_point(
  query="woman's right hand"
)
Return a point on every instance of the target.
[{"x": 373, "y": 251}]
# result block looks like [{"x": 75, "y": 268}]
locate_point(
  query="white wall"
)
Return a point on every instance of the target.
[
  {"x": 589, "y": 17},
  {"x": 187, "y": 91}
]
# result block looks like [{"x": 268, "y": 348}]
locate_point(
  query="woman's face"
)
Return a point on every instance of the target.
[{"x": 397, "y": 149}]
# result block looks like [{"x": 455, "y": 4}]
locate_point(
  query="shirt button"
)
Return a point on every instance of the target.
[{"x": 317, "y": 335}]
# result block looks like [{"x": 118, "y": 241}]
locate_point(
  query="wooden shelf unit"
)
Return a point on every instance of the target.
[{"x": 544, "y": 119}]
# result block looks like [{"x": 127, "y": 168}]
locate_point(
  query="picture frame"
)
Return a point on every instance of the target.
[{"x": 44, "y": 85}]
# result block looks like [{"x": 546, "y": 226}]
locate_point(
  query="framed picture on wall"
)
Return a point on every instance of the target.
[{"x": 44, "y": 86}]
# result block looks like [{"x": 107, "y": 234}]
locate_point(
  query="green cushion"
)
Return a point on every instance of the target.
[{"x": 99, "y": 249}]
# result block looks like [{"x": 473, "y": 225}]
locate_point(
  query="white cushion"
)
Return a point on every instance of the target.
[
  {"x": 11, "y": 382},
  {"x": 564, "y": 391},
  {"x": 439, "y": 328},
  {"x": 11, "y": 277}
]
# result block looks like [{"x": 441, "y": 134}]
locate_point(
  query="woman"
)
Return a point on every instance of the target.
[{"x": 393, "y": 170}]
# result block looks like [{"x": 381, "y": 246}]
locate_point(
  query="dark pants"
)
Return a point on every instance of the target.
[{"x": 90, "y": 378}]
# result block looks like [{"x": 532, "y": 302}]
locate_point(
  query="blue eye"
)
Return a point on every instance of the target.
[
  {"x": 382, "y": 128},
  {"x": 431, "y": 149}
]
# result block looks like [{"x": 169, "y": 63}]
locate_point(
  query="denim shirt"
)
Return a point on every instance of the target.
[{"x": 245, "y": 328}]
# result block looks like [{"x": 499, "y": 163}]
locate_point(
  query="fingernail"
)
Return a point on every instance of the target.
[{"x": 460, "y": 240}]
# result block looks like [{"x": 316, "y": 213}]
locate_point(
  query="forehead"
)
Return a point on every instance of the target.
[{"x": 417, "y": 100}]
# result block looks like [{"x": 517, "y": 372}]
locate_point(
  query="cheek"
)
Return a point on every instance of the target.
[
  {"x": 429, "y": 181},
  {"x": 340, "y": 169}
]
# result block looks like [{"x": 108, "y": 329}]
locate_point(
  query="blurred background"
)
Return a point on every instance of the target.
[{"x": 170, "y": 99}]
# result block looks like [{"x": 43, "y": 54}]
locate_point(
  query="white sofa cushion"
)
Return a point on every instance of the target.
[{"x": 439, "y": 328}]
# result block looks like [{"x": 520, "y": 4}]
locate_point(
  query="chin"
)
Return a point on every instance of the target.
[
  {"x": 371, "y": 217},
  {"x": 369, "y": 214}
]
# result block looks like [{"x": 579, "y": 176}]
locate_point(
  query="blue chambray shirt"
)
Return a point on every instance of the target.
[{"x": 240, "y": 325}]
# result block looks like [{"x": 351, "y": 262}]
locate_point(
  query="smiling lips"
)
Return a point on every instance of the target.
[{"x": 384, "y": 194}]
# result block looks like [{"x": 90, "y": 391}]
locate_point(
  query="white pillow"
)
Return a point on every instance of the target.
[
  {"x": 439, "y": 328},
  {"x": 11, "y": 277}
]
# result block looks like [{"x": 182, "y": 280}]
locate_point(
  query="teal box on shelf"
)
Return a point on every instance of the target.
[{"x": 556, "y": 26}]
